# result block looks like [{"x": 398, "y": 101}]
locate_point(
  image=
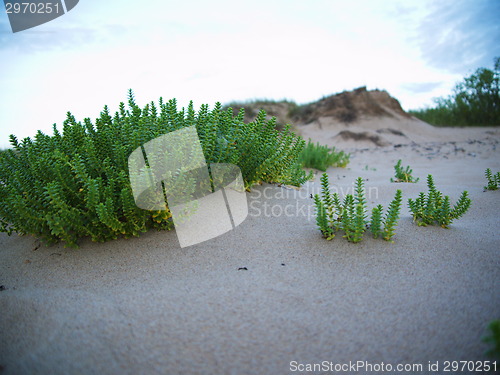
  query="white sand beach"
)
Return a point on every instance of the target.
[{"x": 273, "y": 294}]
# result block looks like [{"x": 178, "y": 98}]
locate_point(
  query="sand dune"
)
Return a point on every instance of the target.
[{"x": 387, "y": 131}]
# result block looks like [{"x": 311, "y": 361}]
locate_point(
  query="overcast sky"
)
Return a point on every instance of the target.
[{"x": 219, "y": 50}]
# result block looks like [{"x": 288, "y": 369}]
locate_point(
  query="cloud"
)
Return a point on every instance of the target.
[
  {"x": 221, "y": 50},
  {"x": 421, "y": 87},
  {"x": 50, "y": 38},
  {"x": 459, "y": 35}
]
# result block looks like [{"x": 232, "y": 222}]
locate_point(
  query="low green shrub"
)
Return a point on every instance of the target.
[
  {"x": 350, "y": 215},
  {"x": 322, "y": 157},
  {"x": 494, "y": 340},
  {"x": 281, "y": 109},
  {"x": 75, "y": 183},
  {"x": 437, "y": 208},
  {"x": 493, "y": 180},
  {"x": 403, "y": 174}
]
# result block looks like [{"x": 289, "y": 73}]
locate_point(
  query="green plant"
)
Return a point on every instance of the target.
[
  {"x": 493, "y": 339},
  {"x": 350, "y": 216},
  {"x": 75, "y": 183},
  {"x": 281, "y": 109},
  {"x": 493, "y": 180},
  {"x": 403, "y": 174},
  {"x": 392, "y": 216},
  {"x": 437, "y": 208},
  {"x": 322, "y": 157}
]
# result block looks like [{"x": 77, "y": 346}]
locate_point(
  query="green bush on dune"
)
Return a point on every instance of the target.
[
  {"x": 75, "y": 184},
  {"x": 322, "y": 157}
]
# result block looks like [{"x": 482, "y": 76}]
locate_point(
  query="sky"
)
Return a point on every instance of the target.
[{"x": 222, "y": 51}]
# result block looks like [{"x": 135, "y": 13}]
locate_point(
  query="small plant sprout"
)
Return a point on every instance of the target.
[
  {"x": 322, "y": 220},
  {"x": 403, "y": 174},
  {"x": 351, "y": 216},
  {"x": 436, "y": 208},
  {"x": 493, "y": 180},
  {"x": 376, "y": 221},
  {"x": 392, "y": 216}
]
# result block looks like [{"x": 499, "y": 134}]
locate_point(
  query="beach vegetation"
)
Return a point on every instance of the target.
[
  {"x": 493, "y": 339},
  {"x": 492, "y": 179},
  {"x": 75, "y": 182},
  {"x": 350, "y": 215},
  {"x": 322, "y": 157},
  {"x": 436, "y": 208},
  {"x": 281, "y": 109},
  {"x": 403, "y": 174}
]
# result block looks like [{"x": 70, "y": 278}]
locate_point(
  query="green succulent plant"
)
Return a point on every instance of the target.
[
  {"x": 403, "y": 174},
  {"x": 351, "y": 215},
  {"x": 493, "y": 180},
  {"x": 322, "y": 157},
  {"x": 75, "y": 183},
  {"x": 436, "y": 208}
]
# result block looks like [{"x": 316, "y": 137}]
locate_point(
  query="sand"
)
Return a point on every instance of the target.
[{"x": 272, "y": 294}]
